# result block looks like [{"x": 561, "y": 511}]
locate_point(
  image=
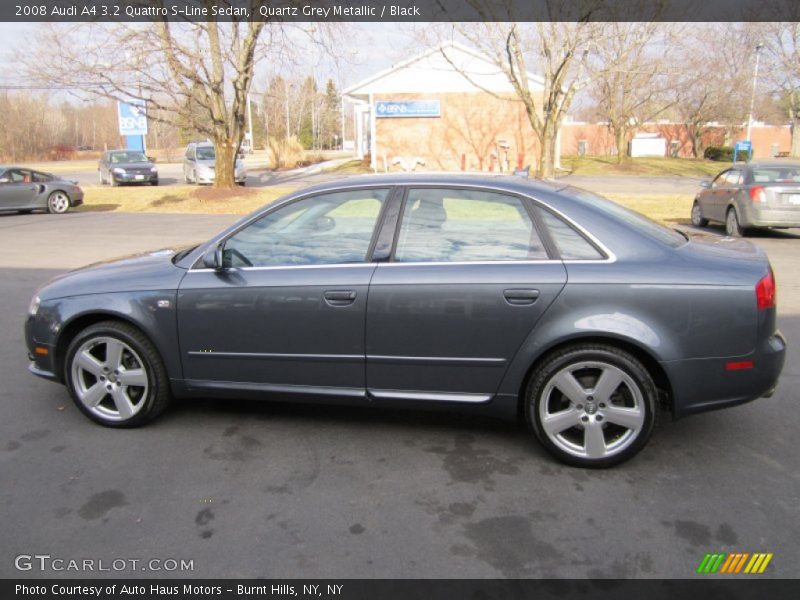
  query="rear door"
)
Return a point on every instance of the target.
[{"x": 468, "y": 279}]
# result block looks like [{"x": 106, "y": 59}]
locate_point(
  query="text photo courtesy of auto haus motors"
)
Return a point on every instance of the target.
[{"x": 545, "y": 325}]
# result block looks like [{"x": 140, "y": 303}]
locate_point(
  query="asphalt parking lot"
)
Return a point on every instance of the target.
[{"x": 247, "y": 489}]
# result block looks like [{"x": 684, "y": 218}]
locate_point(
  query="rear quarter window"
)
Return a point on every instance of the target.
[
  {"x": 571, "y": 244},
  {"x": 629, "y": 218}
]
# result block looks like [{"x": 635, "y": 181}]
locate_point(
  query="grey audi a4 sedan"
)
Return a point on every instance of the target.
[{"x": 495, "y": 295}]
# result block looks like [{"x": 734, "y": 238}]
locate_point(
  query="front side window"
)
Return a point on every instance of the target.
[
  {"x": 453, "y": 225},
  {"x": 733, "y": 178},
  {"x": 720, "y": 180},
  {"x": 332, "y": 228}
]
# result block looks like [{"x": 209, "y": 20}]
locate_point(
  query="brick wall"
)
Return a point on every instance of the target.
[
  {"x": 470, "y": 126},
  {"x": 600, "y": 141}
]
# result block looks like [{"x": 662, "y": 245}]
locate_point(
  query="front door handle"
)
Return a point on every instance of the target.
[
  {"x": 520, "y": 297},
  {"x": 340, "y": 297}
]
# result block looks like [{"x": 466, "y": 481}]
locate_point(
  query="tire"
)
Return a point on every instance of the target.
[
  {"x": 623, "y": 415},
  {"x": 135, "y": 360},
  {"x": 241, "y": 183},
  {"x": 732, "y": 227},
  {"x": 697, "y": 215},
  {"x": 58, "y": 203},
  {"x": 154, "y": 182}
]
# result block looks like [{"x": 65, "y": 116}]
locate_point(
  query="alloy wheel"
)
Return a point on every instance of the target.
[
  {"x": 58, "y": 202},
  {"x": 109, "y": 378},
  {"x": 592, "y": 410}
]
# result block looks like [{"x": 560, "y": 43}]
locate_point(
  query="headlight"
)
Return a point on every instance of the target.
[
  {"x": 33, "y": 307},
  {"x": 153, "y": 170},
  {"x": 118, "y": 171}
]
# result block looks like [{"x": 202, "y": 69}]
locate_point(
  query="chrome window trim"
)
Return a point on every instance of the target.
[{"x": 610, "y": 256}]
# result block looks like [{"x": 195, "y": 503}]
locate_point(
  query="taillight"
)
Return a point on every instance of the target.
[
  {"x": 765, "y": 291},
  {"x": 757, "y": 194}
]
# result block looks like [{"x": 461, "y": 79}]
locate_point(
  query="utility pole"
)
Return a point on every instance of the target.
[{"x": 759, "y": 46}]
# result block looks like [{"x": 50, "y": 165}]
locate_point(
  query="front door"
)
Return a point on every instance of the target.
[
  {"x": 468, "y": 281},
  {"x": 287, "y": 312},
  {"x": 17, "y": 189}
]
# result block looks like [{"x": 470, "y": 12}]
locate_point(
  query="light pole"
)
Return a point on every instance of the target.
[{"x": 759, "y": 46}]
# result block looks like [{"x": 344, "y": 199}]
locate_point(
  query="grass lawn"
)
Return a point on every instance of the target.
[
  {"x": 180, "y": 199},
  {"x": 669, "y": 209},
  {"x": 650, "y": 167}
]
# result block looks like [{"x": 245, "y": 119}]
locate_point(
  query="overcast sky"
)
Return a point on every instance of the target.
[{"x": 369, "y": 48}]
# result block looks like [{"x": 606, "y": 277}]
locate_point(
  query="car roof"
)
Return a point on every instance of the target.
[
  {"x": 773, "y": 163},
  {"x": 498, "y": 181}
]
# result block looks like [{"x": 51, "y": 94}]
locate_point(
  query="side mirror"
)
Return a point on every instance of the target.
[
  {"x": 705, "y": 184},
  {"x": 212, "y": 259},
  {"x": 241, "y": 156},
  {"x": 152, "y": 159}
]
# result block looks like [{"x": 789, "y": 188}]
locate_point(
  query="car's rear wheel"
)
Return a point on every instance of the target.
[
  {"x": 697, "y": 215},
  {"x": 592, "y": 405},
  {"x": 732, "y": 226},
  {"x": 115, "y": 375},
  {"x": 58, "y": 203}
]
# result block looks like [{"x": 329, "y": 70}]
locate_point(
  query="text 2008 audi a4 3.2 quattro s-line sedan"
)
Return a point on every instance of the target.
[{"x": 496, "y": 295}]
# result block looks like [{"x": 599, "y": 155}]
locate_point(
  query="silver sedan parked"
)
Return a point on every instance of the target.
[{"x": 756, "y": 194}]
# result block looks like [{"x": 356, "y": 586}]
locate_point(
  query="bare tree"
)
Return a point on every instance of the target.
[
  {"x": 197, "y": 75},
  {"x": 710, "y": 87},
  {"x": 557, "y": 50},
  {"x": 782, "y": 41},
  {"x": 631, "y": 77}
]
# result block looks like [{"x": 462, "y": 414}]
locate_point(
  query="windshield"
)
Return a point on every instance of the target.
[
  {"x": 205, "y": 153},
  {"x": 130, "y": 156},
  {"x": 631, "y": 219},
  {"x": 788, "y": 174}
]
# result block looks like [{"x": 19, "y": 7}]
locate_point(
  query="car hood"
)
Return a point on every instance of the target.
[
  {"x": 132, "y": 165},
  {"x": 147, "y": 271}
]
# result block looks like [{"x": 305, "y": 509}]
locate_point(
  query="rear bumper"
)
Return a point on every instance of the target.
[
  {"x": 700, "y": 385},
  {"x": 771, "y": 217}
]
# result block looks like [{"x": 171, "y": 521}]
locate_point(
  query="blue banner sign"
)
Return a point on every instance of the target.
[
  {"x": 132, "y": 117},
  {"x": 744, "y": 146},
  {"x": 408, "y": 108}
]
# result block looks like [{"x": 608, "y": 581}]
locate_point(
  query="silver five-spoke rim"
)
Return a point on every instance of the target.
[
  {"x": 109, "y": 378},
  {"x": 592, "y": 410},
  {"x": 59, "y": 202}
]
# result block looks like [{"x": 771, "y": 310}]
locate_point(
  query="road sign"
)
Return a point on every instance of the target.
[
  {"x": 132, "y": 117},
  {"x": 742, "y": 146},
  {"x": 408, "y": 108}
]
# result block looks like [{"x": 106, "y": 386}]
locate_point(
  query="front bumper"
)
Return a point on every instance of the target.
[
  {"x": 703, "y": 384},
  {"x": 135, "y": 177},
  {"x": 207, "y": 178},
  {"x": 41, "y": 356}
]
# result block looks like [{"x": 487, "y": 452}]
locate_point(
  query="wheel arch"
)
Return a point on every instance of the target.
[
  {"x": 80, "y": 322},
  {"x": 641, "y": 353}
]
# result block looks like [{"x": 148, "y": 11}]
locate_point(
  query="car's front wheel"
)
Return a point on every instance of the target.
[
  {"x": 592, "y": 405},
  {"x": 58, "y": 203},
  {"x": 115, "y": 375},
  {"x": 732, "y": 226},
  {"x": 697, "y": 215}
]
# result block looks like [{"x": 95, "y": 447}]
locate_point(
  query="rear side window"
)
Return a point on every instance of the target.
[
  {"x": 631, "y": 219},
  {"x": 454, "y": 225},
  {"x": 571, "y": 245}
]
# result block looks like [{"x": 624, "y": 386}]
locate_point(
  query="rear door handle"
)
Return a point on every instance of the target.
[
  {"x": 340, "y": 297},
  {"x": 521, "y": 297}
]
